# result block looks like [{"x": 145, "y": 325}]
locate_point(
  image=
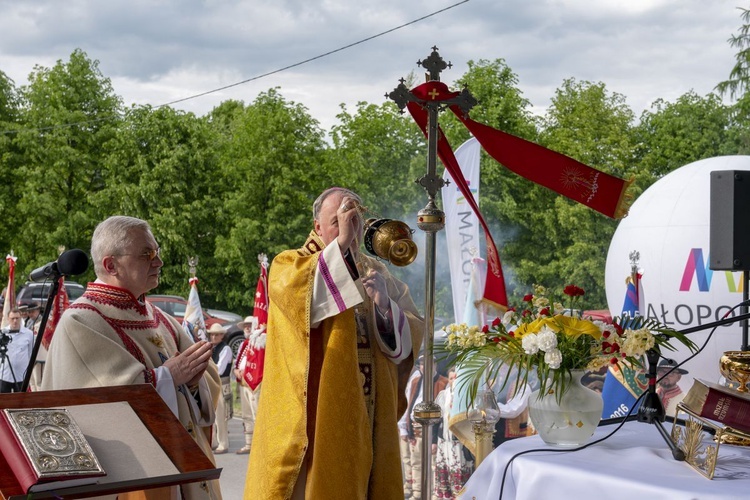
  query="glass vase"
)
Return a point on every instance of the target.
[{"x": 571, "y": 421}]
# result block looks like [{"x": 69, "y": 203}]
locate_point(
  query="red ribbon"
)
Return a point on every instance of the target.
[{"x": 598, "y": 190}]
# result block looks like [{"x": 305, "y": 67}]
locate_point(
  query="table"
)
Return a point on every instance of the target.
[{"x": 634, "y": 463}]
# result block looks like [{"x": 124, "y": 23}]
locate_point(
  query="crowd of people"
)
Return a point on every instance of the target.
[
  {"x": 342, "y": 337},
  {"x": 336, "y": 362}
]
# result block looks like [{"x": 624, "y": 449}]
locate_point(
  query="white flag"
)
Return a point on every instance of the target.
[
  {"x": 193, "y": 321},
  {"x": 475, "y": 312},
  {"x": 461, "y": 225}
]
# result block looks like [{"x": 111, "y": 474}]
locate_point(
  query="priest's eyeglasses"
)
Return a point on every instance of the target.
[{"x": 150, "y": 255}]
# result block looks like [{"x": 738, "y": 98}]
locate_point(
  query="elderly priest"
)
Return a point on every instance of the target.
[{"x": 112, "y": 336}]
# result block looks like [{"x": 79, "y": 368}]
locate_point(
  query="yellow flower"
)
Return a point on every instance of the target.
[
  {"x": 544, "y": 336},
  {"x": 574, "y": 327},
  {"x": 535, "y": 326}
]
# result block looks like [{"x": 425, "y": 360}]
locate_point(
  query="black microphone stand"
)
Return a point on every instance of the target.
[
  {"x": 651, "y": 410},
  {"x": 55, "y": 286},
  {"x": 721, "y": 322}
]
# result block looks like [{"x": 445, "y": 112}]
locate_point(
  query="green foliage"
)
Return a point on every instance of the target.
[
  {"x": 372, "y": 153},
  {"x": 739, "y": 76},
  {"x": 8, "y": 100},
  {"x": 593, "y": 126},
  {"x": 501, "y": 104},
  {"x": 671, "y": 135},
  {"x": 272, "y": 161},
  {"x": 162, "y": 167},
  {"x": 559, "y": 242},
  {"x": 9, "y": 159},
  {"x": 68, "y": 115},
  {"x": 241, "y": 180},
  {"x": 502, "y": 193}
]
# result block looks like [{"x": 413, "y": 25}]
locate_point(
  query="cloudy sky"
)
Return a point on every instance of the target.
[{"x": 159, "y": 51}]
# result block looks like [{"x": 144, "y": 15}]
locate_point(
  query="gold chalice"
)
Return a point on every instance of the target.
[{"x": 735, "y": 366}]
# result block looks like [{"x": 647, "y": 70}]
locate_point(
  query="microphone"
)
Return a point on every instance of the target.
[{"x": 69, "y": 263}]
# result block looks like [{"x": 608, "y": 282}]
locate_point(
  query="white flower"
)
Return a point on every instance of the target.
[
  {"x": 597, "y": 362},
  {"x": 476, "y": 337},
  {"x": 462, "y": 336},
  {"x": 530, "y": 343},
  {"x": 547, "y": 339},
  {"x": 541, "y": 302},
  {"x": 553, "y": 358},
  {"x": 637, "y": 342}
]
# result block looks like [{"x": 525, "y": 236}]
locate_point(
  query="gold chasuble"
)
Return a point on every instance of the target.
[
  {"x": 331, "y": 396},
  {"x": 108, "y": 337}
]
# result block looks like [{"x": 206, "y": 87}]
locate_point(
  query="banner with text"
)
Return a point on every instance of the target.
[{"x": 461, "y": 224}]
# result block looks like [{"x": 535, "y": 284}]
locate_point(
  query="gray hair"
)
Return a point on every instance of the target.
[
  {"x": 328, "y": 192},
  {"x": 112, "y": 236}
]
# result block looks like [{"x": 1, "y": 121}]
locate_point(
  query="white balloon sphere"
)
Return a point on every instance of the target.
[{"x": 669, "y": 226}]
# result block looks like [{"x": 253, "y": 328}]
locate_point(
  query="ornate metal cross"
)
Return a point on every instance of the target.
[{"x": 430, "y": 220}]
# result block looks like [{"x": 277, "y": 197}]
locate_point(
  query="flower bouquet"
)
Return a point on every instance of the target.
[{"x": 544, "y": 337}]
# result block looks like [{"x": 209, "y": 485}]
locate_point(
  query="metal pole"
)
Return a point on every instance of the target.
[
  {"x": 428, "y": 412},
  {"x": 430, "y": 220}
]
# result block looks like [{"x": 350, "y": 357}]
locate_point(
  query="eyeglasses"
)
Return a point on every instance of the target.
[{"x": 150, "y": 255}]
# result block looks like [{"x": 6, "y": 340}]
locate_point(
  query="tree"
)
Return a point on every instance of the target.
[
  {"x": 163, "y": 167},
  {"x": 562, "y": 242},
  {"x": 501, "y": 105},
  {"x": 739, "y": 76},
  {"x": 9, "y": 159},
  {"x": 272, "y": 159},
  {"x": 671, "y": 135},
  {"x": 8, "y": 100},
  {"x": 372, "y": 153},
  {"x": 69, "y": 112}
]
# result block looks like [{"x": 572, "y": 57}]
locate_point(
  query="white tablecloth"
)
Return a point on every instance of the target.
[{"x": 634, "y": 464}]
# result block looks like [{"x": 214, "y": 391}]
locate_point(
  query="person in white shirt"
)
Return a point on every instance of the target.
[{"x": 16, "y": 343}]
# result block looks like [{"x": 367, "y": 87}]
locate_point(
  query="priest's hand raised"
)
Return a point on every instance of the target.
[
  {"x": 349, "y": 223},
  {"x": 188, "y": 366}
]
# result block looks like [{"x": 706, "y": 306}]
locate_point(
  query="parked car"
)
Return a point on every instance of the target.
[
  {"x": 38, "y": 292},
  {"x": 225, "y": 315},
  {"x": 175, "y": 306}
]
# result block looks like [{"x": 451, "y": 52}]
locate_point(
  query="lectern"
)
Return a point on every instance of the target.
[{"x": 151, "y": 427}]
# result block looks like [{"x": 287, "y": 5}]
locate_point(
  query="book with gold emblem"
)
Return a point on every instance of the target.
[{"x": 46, "y": 449}]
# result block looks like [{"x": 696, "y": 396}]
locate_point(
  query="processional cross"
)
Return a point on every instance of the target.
[{"x": 430, "y": 220}]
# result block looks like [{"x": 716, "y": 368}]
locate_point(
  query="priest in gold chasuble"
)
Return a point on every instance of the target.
[{"x": 342, "y": 338}]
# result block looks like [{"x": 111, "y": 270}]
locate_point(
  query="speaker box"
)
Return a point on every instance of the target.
[{"x": 730, "y": 220}]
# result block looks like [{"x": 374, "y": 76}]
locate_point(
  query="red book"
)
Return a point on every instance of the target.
[
  {"x": 719, "y": 403},
  {"x": 46, "y": 450}
]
